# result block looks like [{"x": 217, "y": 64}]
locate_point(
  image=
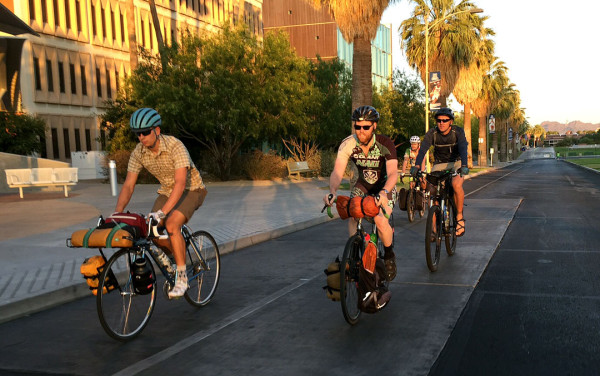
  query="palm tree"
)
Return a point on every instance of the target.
[
  {"x": 470, "y": 79},
  {"x": 133, "y": 57},
  {"x": 358, "y": 21},
  {"x": 508, "y": 103},
  {"x": 492, "y": 86},
  {"x": 453, "y": 38},
  {"x": 538, "y": 132}
]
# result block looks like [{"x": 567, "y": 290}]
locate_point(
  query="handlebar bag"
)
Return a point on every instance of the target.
[
  {"x": 341, "y": 204},
  {"x": 137, "y": 223},
  {"x": 363, "y": 207}
]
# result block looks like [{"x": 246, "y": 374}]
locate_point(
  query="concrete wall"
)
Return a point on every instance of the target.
[{"x": 8, "y": 161}]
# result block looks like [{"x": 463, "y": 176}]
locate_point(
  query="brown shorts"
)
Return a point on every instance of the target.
[
  {"x": 454, "y": 166},
  {"x": 189, "y": 202}
]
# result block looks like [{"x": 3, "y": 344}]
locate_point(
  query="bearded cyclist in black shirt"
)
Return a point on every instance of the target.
[
  {"x": 450, "y": 153},
  {"x": 375, "y": 158}
]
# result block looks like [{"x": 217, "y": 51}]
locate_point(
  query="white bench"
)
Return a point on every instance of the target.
[
  {"x": 297, "y": 168},
  {"x": 41, "y": 177}
]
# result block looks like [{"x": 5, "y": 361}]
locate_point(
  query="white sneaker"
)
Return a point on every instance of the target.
[{"x": 181, "y": 286}]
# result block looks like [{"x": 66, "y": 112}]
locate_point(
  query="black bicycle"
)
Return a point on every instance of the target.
[
  {"x": 441, "y": 221},
  {"x": 351, "y": 263},
  {"x": 128, "y": 282},
  {"x": 413, "y": 194}
]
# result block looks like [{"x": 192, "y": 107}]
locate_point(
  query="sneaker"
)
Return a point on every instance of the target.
[
  {"x": 390, "y": 266},
  {"x": 181, "y": 286}
]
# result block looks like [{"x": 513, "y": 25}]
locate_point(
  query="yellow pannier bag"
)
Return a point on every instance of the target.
[
  {"x": 115, "y": 237},
  {"x": 91, "y": 269}
]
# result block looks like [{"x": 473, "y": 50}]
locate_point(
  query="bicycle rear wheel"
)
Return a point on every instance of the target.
[
  {"x": 203, "y": 263},
  {"x": 349, "y": 278},
  {"x": 433, "y": 232},
  {"x": 123, "y": 312},
  {"x": 450, "y": 230},
  {"x": 410, "y": 205}
]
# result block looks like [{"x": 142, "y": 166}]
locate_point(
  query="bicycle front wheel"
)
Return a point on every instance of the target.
[
  {"x": 433, "y": 237},
  {"x": 203, "y": 264},
  {"x": 349, "y": 268},
  {"x": 450, "y": 230},
  {"x": 410, "y": 205},
  {"x": 122, "y": 311}
]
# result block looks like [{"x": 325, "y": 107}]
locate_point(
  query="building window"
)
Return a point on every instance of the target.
[
  {"x": 94, "y": 28},
  {"x": 88, "y": 140},
  {"x": 67, "y": 143},
  {"x": 55, "y": 143},
  {"x": 32, "y": 10},
  {"x": 143, "y": 41},
  {"x": 61, "y": 77},
  {"x": 68, "y": 14},
  {"x": 83, "y": 80},
  {"x": 117, "y": 80},
  {"x": 56, "y": 14},
  {"x": 108, "y": 86},
  {"x": 77, "y": 140},
  {"x": 78, "y": 15},
  {"x": 112, "y": 25},
  {"x": 103, "y": 21},
  {"x": 49, "y": 76},
  {"x": 44, "y": 12},
  {"x": 122, "y": 28},
  {"x": 98, "y": 82},
  {"x": 36, "y": 73},
  {"x": 73, "y": 83}
]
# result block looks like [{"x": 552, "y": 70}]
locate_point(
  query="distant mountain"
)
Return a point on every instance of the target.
[{"x": 572, "y": 126}]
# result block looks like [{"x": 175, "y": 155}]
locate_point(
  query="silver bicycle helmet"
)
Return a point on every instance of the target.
[{"x": 414, "y": 139}]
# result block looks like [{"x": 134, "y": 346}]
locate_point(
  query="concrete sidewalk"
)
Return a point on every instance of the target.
[{"x": 39, "y": 271}]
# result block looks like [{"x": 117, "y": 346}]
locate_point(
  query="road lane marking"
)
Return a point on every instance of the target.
[
  {"x": 185, "y": 343},
  {"x": 493, "y": 181}
]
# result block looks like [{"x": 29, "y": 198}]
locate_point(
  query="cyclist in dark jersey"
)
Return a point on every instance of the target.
[
  {"x": 449, "y": 153},
  {"x": 377, "y": 164}
]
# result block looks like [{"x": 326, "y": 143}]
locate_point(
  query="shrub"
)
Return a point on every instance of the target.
[
  {"x": 261, "y": 166},
  {"x": 326, "y": 162}
]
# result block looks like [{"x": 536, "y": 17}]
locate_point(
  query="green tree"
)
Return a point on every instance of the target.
[
  {"x": 21, "y": 133},
  {"x": 358, "y": 21},
  {"x": 401, "y": 107}
]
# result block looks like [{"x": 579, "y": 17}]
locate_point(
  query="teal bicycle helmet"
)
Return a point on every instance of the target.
[{"x": 144, "y": 119}]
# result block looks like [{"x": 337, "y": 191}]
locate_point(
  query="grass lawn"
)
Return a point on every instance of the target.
[
  {"x": 566, "y": 152},
  {"x": 587, "y": 162}
]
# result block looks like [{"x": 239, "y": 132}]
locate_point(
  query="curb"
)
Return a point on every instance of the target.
[
  {"x": 578, "y": 165},
  {"x": 49, "y": 299}
]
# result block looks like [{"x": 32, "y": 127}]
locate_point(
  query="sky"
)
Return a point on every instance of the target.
[{"x": 550, "y": 48}]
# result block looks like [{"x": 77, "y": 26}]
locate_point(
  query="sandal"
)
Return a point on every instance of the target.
[
  {"x": 390, "y": 267},
  {"x": 460, "y": 224}
]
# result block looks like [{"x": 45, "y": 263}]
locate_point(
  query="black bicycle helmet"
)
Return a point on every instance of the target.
[
  {"x": 444, "y": 111},
  {"x": 144, "y": 119},
  {"x": 367, "y": 113}
]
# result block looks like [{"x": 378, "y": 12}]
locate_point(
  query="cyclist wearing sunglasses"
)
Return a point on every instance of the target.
[
  {"x": 375, "y": 158},
  {"x": 181, "y": 189},
  {"x": 449, "y": 153}
]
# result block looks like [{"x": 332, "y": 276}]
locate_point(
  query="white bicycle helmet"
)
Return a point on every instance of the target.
[{"x": 414, "y": 139}]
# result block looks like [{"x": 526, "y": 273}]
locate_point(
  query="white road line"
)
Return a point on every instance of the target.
[
  {"x": 178, "y": 347},
  {"x": 501, "y": 177}
]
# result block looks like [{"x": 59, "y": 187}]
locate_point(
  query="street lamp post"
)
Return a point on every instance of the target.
[{"x": 427, "y": 27}]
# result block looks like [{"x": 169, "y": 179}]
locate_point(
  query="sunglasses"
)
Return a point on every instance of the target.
[
  {"x": 363, "y": 127},
  {"x": 442, "y": 120},
  {"x": 144, "y": 133}
]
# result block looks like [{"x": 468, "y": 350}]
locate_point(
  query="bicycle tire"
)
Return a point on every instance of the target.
[
  {"x": 203, "y": 264},
  {"x": 349, "y": 267},
  {"x": 450, "y": 231},
  {"x": 410, "y": 205},
  {"x": 123, "y": 313},
  {"x": 432, "y": 254}
]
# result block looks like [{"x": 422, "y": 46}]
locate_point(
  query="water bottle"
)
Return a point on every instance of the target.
[{"x": 162, "y": 258}]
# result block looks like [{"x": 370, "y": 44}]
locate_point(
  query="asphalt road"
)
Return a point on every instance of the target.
[
  {"x": 270, "y": 315},
  {"x": 536, "y": 309}
]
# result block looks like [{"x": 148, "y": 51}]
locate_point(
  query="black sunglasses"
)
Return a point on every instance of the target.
[
  {"x": 442, "y": 120},
  {"x": 144, "y": 133},
  {"x": 363, "y": 127}
]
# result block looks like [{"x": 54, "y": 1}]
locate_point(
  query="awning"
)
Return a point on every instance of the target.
[{"x": 11, "y": 24}]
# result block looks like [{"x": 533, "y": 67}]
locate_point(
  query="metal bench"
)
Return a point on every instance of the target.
[
  {"x": 297, "y": 168},
  {"x": 41, "y": 177}
]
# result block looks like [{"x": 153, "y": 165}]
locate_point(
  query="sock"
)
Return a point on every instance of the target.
[{"x": 388, "y": 252}]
